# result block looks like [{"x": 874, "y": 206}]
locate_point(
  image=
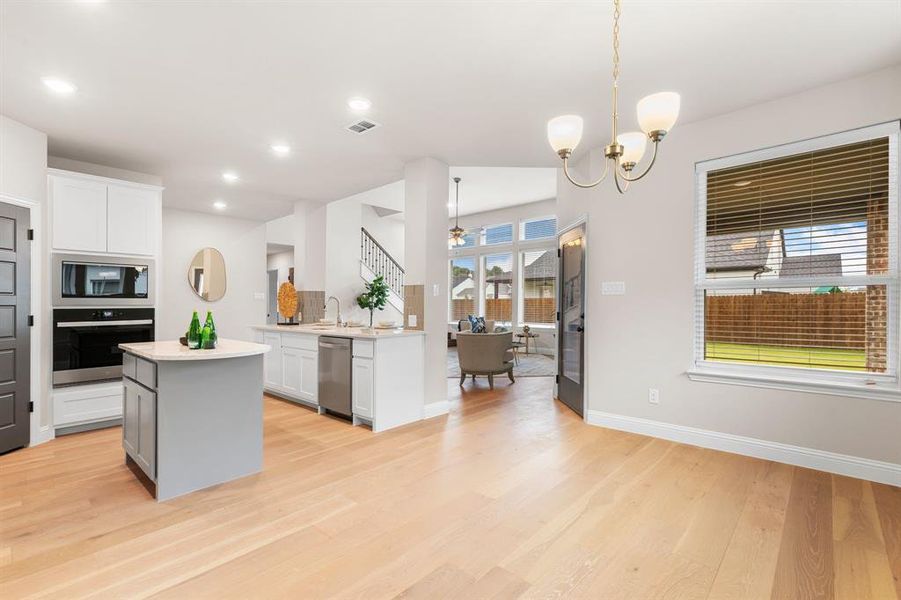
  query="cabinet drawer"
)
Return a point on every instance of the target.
[
  {"x": 145, "y": 373},
  {"x": 364, "y": 348},
  {"x": 299, "y": 341},
  {"x": 129, "y": 366}
]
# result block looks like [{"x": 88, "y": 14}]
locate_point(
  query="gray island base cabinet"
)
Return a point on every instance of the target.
[{"x": 192, "y": 420}]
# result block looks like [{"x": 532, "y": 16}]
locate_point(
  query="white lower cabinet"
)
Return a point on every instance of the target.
[
  {"x": 292, "y": 366},
  {"x": 363, "y": 387},
  {"x": 272, "y": 375}
]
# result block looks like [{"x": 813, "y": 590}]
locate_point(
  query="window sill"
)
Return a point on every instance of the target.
[{"x": 885, "y": 391}]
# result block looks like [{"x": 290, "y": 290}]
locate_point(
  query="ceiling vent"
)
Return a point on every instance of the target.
[{"x": 362, "y": 126}]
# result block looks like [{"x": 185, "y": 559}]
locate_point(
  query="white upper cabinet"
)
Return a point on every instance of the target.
[
  {"x": 93, "y": 214},
  {"x": 79, "y": 215},
  {"x": 130, "y": 214}
]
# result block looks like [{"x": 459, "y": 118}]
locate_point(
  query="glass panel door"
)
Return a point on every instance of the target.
[{"x": 571, "y": 351}]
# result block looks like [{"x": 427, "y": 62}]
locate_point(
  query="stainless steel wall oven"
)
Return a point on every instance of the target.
[{"x": 86, "y": 341}]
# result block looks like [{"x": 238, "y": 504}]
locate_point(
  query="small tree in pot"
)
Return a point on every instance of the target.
[{"x": 375, "y": 296}]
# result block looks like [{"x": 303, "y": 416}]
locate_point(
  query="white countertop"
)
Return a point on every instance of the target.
[
  {"x": 348, "y": 332},
  {"x": 173, "y": 350}
]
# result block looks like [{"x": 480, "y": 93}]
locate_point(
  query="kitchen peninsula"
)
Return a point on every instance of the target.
[
  {"x": 381, "y": 370},
  {"x": 192, "y": 418}
]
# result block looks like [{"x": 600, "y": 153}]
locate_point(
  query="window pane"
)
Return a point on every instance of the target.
[
  {"x": 498, "y": 269},
  {"x": 824, "y": 327},
  {"x": 538, "y": 229},
  {"x": 815, "y": 214},
  {"x": 497, "y": 234},
  {"x": 539, "y": 286},
  {"x": 462, "y": 288}
]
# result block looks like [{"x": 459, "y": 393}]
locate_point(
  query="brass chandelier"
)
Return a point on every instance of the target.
[{"x": 657, "y": 114}]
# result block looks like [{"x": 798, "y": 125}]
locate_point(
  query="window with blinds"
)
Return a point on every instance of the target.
[
  {"x": 538, "y": 229},
  {"x": 797, "y": 256}
]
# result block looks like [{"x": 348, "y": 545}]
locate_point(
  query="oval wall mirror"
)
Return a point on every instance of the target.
[{"x": 206, "y": 274}]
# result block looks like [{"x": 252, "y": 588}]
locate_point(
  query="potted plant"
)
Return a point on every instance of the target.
[{"x": 375, "y": 296}]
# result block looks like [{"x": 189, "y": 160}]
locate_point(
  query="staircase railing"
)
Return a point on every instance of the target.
[{"x": 380, "y": 262}]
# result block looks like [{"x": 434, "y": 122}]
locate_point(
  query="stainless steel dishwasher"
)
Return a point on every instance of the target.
[{"x": 334, "y": 375}]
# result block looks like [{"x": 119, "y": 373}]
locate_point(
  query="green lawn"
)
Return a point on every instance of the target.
[{"x": 788, "y": 356}]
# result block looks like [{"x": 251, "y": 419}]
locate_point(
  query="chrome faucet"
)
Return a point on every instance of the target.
[{"x": 338, "y": 321}]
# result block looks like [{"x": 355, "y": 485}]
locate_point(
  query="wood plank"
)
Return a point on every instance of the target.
[
  {"x": 510, "y": 495},
  {"x": 804, "y": 568}
]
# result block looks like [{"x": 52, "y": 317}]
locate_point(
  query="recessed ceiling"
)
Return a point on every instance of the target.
[{"x": 185, "y": 90}]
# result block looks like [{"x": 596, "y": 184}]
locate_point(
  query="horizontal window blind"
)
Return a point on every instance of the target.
[
  {"x": 538, "y": 229},
  {"x": 498, "y": 274},
  {"x": 538, "y": 270},
  {"x": 497, "y": 234},
  {"x": 797, "y": 260},
  {"x": 463, "y": 289}
]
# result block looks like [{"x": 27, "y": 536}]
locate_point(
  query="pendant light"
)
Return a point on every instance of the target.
[
  {"x": 457, "y": 234},
  {"x": 657, "y": 114}
]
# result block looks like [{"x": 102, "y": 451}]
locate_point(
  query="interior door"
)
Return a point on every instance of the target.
[
  {"x": 15, "y": 351},
  {"x": 571, "y": 319}
]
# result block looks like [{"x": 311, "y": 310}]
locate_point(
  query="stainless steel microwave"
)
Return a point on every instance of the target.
[{"x": 101, "y": 281}]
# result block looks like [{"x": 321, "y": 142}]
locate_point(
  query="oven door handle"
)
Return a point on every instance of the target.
[{"x": 104, "y": 323}]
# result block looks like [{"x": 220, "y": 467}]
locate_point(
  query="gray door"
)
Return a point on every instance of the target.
[
  {"x": 15, "y": 352},
  {"x": 272, "y": 298},
  {"x": 571, "y": 319}
]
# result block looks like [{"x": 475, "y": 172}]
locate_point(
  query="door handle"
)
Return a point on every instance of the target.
[{"x": 580, "y": 329}]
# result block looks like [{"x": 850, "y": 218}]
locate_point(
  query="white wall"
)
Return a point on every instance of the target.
[
  {"x": 242, "y": 243},
  {"x": 23, "y": 181},
  {"x": 281, "y": 231},
  {"x": 531, "y": 210},
  {"x": 644, "y": 339},
  {"x": 281, "y": 262}
]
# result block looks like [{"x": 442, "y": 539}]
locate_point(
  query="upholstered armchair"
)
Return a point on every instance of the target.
[{"x": 485, "y": 354}]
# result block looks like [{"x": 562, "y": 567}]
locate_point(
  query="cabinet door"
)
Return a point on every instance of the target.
[
  {"x": 146, "y": 456},
  {"x": 79, "y": 215},
  {"x": 363, "y": 386},
  {"x": 291, "y": 373},
  {"x": 132, "y": 220},
  {"x": 273, "y": 361},
  {"x": 130, "y": 418},
  {"x": 309, "y": 375}
]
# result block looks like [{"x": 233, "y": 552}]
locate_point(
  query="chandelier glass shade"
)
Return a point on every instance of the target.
[{"x": 656, "y": 114}]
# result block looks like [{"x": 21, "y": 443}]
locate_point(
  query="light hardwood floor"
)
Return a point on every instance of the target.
[{"x": 510, "y": 496}]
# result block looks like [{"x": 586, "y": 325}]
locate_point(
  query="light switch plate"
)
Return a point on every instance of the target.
[
  {"x": 436, "y": 290},
  {"x": 259, "y": 295},
  {"x": 613, "y": 288},
  {"x": 411, "y": 320}
]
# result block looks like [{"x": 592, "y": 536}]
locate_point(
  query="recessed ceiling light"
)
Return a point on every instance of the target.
[
  {"x": 742, "y": 183},
  {"x": 280, "y": 149},
  {"x": 230, "y": 177},
  {"x": 359, "y": 104},
  {"x": 220, "y": 205},
  {"x": 59, "y": 86}
]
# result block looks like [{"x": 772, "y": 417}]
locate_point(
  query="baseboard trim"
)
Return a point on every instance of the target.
[
  {"x": 840, "y": 464},
  {"x": 436, "y": 409}
]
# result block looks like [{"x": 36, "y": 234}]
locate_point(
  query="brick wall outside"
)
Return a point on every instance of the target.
[{"x": 877, "y": 297}]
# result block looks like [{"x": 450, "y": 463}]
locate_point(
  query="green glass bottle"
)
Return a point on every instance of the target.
[
  {"x": 209, "y": 323},
  {"x": 205, "y": 338},
  {"x": 194, "y": 332}
]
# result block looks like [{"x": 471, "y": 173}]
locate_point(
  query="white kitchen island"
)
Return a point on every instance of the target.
[
  {"x": 192, "y": 418},
  {"x": 386, "y": 373}
]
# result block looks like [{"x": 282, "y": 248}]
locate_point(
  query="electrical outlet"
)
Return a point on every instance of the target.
[
  {"x": 411, "y": 320},
  {"x": 259, "y": 295},
  {"x": 436, "y": 290},
  {"x": 653, "y": 396}
]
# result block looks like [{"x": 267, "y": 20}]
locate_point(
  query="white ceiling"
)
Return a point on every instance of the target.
[
  {"x": 186, "y": 90},
  {"x": 492, "y": 188}
]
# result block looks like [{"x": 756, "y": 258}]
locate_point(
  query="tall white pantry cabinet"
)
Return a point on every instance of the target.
[{"x": 108, "y": 218}]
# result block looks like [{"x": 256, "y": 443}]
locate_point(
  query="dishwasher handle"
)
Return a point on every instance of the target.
[{"x": 337, "y": 346}]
